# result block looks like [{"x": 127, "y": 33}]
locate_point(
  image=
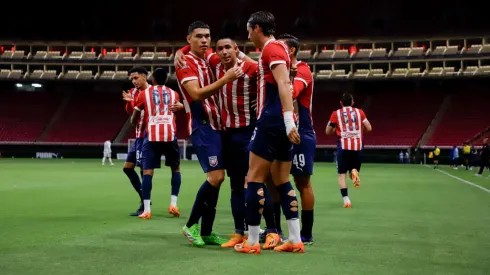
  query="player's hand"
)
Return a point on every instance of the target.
[
  {"x": 254, "y": 104},
  {"x": 126, "y": 96},
  {"x": 293, "y": 136},
  {"x": 176, "y": 106},
  {"x": 233, "y": 74},
  {"x": 179, "y": 59}
]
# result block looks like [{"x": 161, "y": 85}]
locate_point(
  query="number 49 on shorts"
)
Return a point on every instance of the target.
[{"x": 299, "y": 160}]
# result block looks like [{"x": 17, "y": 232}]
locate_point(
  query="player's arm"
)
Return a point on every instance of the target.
[
  {"x": 365, "y": 122},
  {"x": 331, "y": 125},
  {"x": 176, "y": 106},
  {"x": 126, "y": 96},
  {"x": 245, "y": 57},
  {"x": 138, "y": 106},
  {"x": 281, "y": 75},
  {"x": 198, "y": 93}
]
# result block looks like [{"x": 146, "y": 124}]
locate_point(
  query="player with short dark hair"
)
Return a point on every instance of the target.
[
  {"x": 238, "y": 122},
  {"x": 273, "y": 137},
  {"x": 159, "y": 104},
  {"x": 350, "y": 124},
  {"x": 198, "y": 86},
  {"x": 304, "y": 152},
  {"x": 138, "y": 76}
]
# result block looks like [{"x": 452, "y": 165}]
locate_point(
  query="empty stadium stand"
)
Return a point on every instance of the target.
[
  {"x": 468, "y": 115},
  {"x": 23, "y": 115}
]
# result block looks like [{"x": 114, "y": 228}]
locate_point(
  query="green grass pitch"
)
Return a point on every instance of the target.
[{"x": 70, "y": 217}]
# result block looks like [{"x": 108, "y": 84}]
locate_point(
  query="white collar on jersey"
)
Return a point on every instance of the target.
[
  {"x": 267, "y": 42},
  {"x": 191, "y": 53}
]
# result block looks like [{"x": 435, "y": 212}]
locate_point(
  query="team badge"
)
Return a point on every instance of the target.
[{"x": 213, "y": 161}]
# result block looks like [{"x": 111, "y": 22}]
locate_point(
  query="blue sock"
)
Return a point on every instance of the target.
[
  {"x": 209, "y": 214},
  {"x": 146, "y": 187},
  {"x": 270, "y": 222},
  {"x": 253, "y": 198},
  {"x": 289, "y": 202},
  {"x": 238, "y": 203},
  {"x": 176, "y": 180},
  {"x": 135, "y": 180},
  {"x": 199, "y": 204}
]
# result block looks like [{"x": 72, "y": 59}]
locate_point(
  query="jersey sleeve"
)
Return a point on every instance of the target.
[
  {"x": 213, "y": 60},
  {"x": 333, "y": 121},
  {"x": 275, "y": 54},
  {"x": 298, "y": 86},
  {"x": 302, "y": 80},
  {"x": 250, "y": 69},
  {"x": 363, "y": 116},
  {"x": 186, "y": 49},
  {"x": 186, "y": 73},
  {"x": 130, "y": 107},
  {"x": 139, "y": 105}
]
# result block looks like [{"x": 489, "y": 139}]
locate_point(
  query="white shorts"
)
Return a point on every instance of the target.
[{"x": 107, "y": 154}]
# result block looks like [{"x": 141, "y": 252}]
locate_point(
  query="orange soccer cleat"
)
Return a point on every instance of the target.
[
  {"x": 145, "y": 216},
  {"x": 247, "y": 248},
  {"x": 271, "y": 241},
  {"x": 174, "y": 211},
  {"x": 235, "y": 239},
  {"x": 290, "y": 247}
]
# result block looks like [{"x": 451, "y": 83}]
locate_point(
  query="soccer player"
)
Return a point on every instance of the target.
[
  {"x": 304, "y": 152},
  {"x": 437, "y": 151},
  {"x": 238, "y": 121},
  {"x": 198, "y": 86},
  {"x": 107, "y": 152},
  {"x": 485, "y": 157},
  {"x": 159, "y": 104},
  {"x": 271, "y": 143},
  {"x": 138, "y": 77},
  {"x": 349, "y": 123}
]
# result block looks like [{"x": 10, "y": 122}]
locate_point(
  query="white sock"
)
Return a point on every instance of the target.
[
  {"x": 253, "y": 234},
  {"x": 294, "y": 231},
  {"x": 110, "y": 160},
  {"x": 103, "y": 160},
  {"x": 173, "y": 201},
  {"x": 146, "y": 203},
  {"x": 346, "y": 199}
]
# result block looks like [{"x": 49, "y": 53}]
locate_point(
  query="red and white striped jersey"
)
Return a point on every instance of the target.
[
  {"x": 204, "y": 111},
  {"x": 160, "y": 121},
  {"x": 348, "y": 123},
  {"x": 274, "y": 52},
  {"x": 140, "y": 125},
  {"x": 303, "y": 92},
  {"x": 236, "y": 97}
]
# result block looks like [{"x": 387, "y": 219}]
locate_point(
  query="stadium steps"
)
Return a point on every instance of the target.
[
  {"x": 435, "y": 121},
  {"x": 54, "y": 119},
  {"x": 478, "y": 138},
  {"x": 125, "y": 131}
]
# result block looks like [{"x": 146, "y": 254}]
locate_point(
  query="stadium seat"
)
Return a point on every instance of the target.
[
  {"x": 464, "y": 118},
  {"x": 27, "y": 123}
]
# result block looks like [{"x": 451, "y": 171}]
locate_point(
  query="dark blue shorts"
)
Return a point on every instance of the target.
[
  {"x": 271, "y": 144},
  {"x": 348, "y": 160},
  {"x": 235, "y": 150},
  {"x": 152, "y": 153},
  {"x": 207, "y": 143},
  {"x": 304, "y": 155},
  {"x": 134, "y": 154}
]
